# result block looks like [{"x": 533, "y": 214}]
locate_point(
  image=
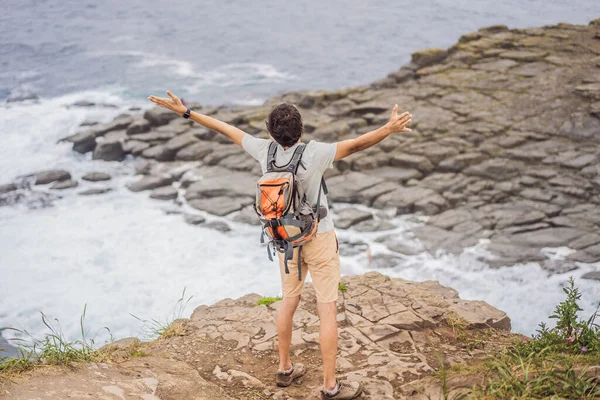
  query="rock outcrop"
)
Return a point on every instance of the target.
[
  {"x": 504, "y": 147},
  {"x": 391, "y": 332}
]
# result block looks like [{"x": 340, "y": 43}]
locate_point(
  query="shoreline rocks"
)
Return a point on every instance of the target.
[{"x": 504, "y": 146}]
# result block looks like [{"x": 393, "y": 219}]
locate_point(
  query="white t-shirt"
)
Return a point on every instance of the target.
[{"x": 317, "y": 157}]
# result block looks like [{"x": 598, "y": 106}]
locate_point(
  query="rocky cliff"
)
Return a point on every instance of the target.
[
  {"x": 391, "y": 333},
  {"x": 505, "y": 147}
]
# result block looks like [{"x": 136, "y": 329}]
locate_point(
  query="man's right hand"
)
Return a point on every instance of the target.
[
  {"x": 173, "y": 104},
  {"x": 398, "y": 123}
]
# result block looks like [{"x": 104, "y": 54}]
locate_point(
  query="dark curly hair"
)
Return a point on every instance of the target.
[{"x": 285, "y": 124}]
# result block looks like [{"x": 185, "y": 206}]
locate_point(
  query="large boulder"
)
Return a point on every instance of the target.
[
  {"x": 150, "y": 182},
  {"x": 221, "y": 205},
  {"x": 218, "y": 181},
  {"x": 83, "y": 142},
  {"x": 350, "y": 216},
  {"x": 9, "y": 187},
  {"x": 45, "y": 177},
  {"x": 96, "y": 177},
  {"x": 109, "y": 151},
  {"x": 160, "y": 116}
]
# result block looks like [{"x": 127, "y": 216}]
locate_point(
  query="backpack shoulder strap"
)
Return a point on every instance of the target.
[
  {"x": 296, "y": 159},
  {"x": 271, "y": 156}
]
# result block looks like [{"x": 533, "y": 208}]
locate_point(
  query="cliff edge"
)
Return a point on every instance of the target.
[{"x": 391, "y": 333}]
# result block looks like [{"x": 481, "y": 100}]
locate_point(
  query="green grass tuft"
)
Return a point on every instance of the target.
[
  {"x": 267, "y": 301},
  {"x": 558, "y": 363},
  {"x": 342, "y": 287},
  {"x": 165, "y": 328},
  {"x": 138, "y": 353},
  {"x": 52, "y": 349}
]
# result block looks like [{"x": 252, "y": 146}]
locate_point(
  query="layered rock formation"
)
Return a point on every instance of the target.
[
  {"x": 391, "y": 332},
  {"x": 505, "y": 146}
]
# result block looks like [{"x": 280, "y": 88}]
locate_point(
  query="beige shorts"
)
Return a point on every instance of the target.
[{"x": 320, "y": 257}]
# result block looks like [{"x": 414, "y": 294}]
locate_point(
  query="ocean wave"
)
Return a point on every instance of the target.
[{"x": 227, "y": 75}]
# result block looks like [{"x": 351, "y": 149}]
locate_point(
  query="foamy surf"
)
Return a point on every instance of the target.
[{"x": 121, "y": 254}]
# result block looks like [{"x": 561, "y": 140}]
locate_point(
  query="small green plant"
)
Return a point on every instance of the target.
[
  {"x": 553, "y": 364},
  {"x": 165, "y": 328},
  {"x": 138, "y": 353},
  {"x": 52, "y": 349},
  {"x": 267, "y": 301},
  {"x": 342, "y": 287},
  {"x": 571, "y": 334}
]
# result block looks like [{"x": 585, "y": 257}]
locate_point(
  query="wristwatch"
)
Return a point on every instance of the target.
[{"x": 187, "y": 113}]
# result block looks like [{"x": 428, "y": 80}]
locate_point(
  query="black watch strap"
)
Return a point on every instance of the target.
[{"x": 187, "y": 113}]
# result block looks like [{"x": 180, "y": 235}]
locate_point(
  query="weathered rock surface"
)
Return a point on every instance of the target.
[
  {"x": 45, "y": 177},
  {"x": 150, "y": 182},
  {"x": 96, "y": 177},
  {"x": 109, "y": 151},
  {"x": 390, "y": 331}
]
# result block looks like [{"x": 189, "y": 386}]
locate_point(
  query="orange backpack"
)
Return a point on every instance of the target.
[{"x": 288, "y": 219}]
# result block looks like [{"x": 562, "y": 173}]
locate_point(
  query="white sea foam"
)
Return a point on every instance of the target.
[
  {"x": 227, "y": 75},
  {"x": 119, "y": 253}
]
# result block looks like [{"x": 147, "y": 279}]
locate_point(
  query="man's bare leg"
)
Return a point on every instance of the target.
[
  {"x": 285, "y": 319},
  {"x": 329, "y": 341}
]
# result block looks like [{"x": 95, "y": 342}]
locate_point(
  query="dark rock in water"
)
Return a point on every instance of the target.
[
  {"x": 94, "y": 191},
  {"x": 400, "y": 245},
  {"x": 83, "y": 103},
  {"x": 549, "y": 237},
  {"x": 194, "y": 219},
  {"x": 346, "y": 188},
  {"x": 96, "y": 177},
  {"x": 109, "y": 151},
  {"x": 66, "y": 184},
  {"x": 372, "y": 225},
  {"x": 194, "y": 152},
  {"x": 507, "y": 254},
  {"x": 159, "y": 116},
  {"x": 379, "y": 261},
  {"x": 222, "y": 205},
  {"x": 247, "y": 216},
  {"x": 558, "y": 266},
  {"x": 159, "y": 152},
  {"x": 119, "y": 123},
  {"x": 45, "y": 177},
  {"x": 588, "y": 255},
  {"x": 88, "y": 123},
  {"x": 150, "y": 182},
  {"x": 31, "y": 198},
  {"x": 9, "y": 187},
  {"x": 179, "y": 142},
  {"x": 144, "y": 167},
  {"x": 218, "y": 225},
  {"x": 164, "y": 193},
  {"x": 23, "y": 96},
  {"x": 83, "y": 142},
  {"x": 350, "y": 216},
  {"x": 135, "y": 147},
  {"x": 138, "y": 126},
  {"x": 212, "y": 184},
  {"x": 349, "y": 247},
  {"x": 595, "y": 275}
]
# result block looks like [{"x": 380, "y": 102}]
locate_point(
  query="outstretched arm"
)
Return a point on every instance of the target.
[
  {"x": 175, "y": 105},
  {"x": 397, "y": 123}
]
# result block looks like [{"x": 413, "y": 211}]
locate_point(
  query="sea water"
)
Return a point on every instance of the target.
[{"x": 120, "y": 253}]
